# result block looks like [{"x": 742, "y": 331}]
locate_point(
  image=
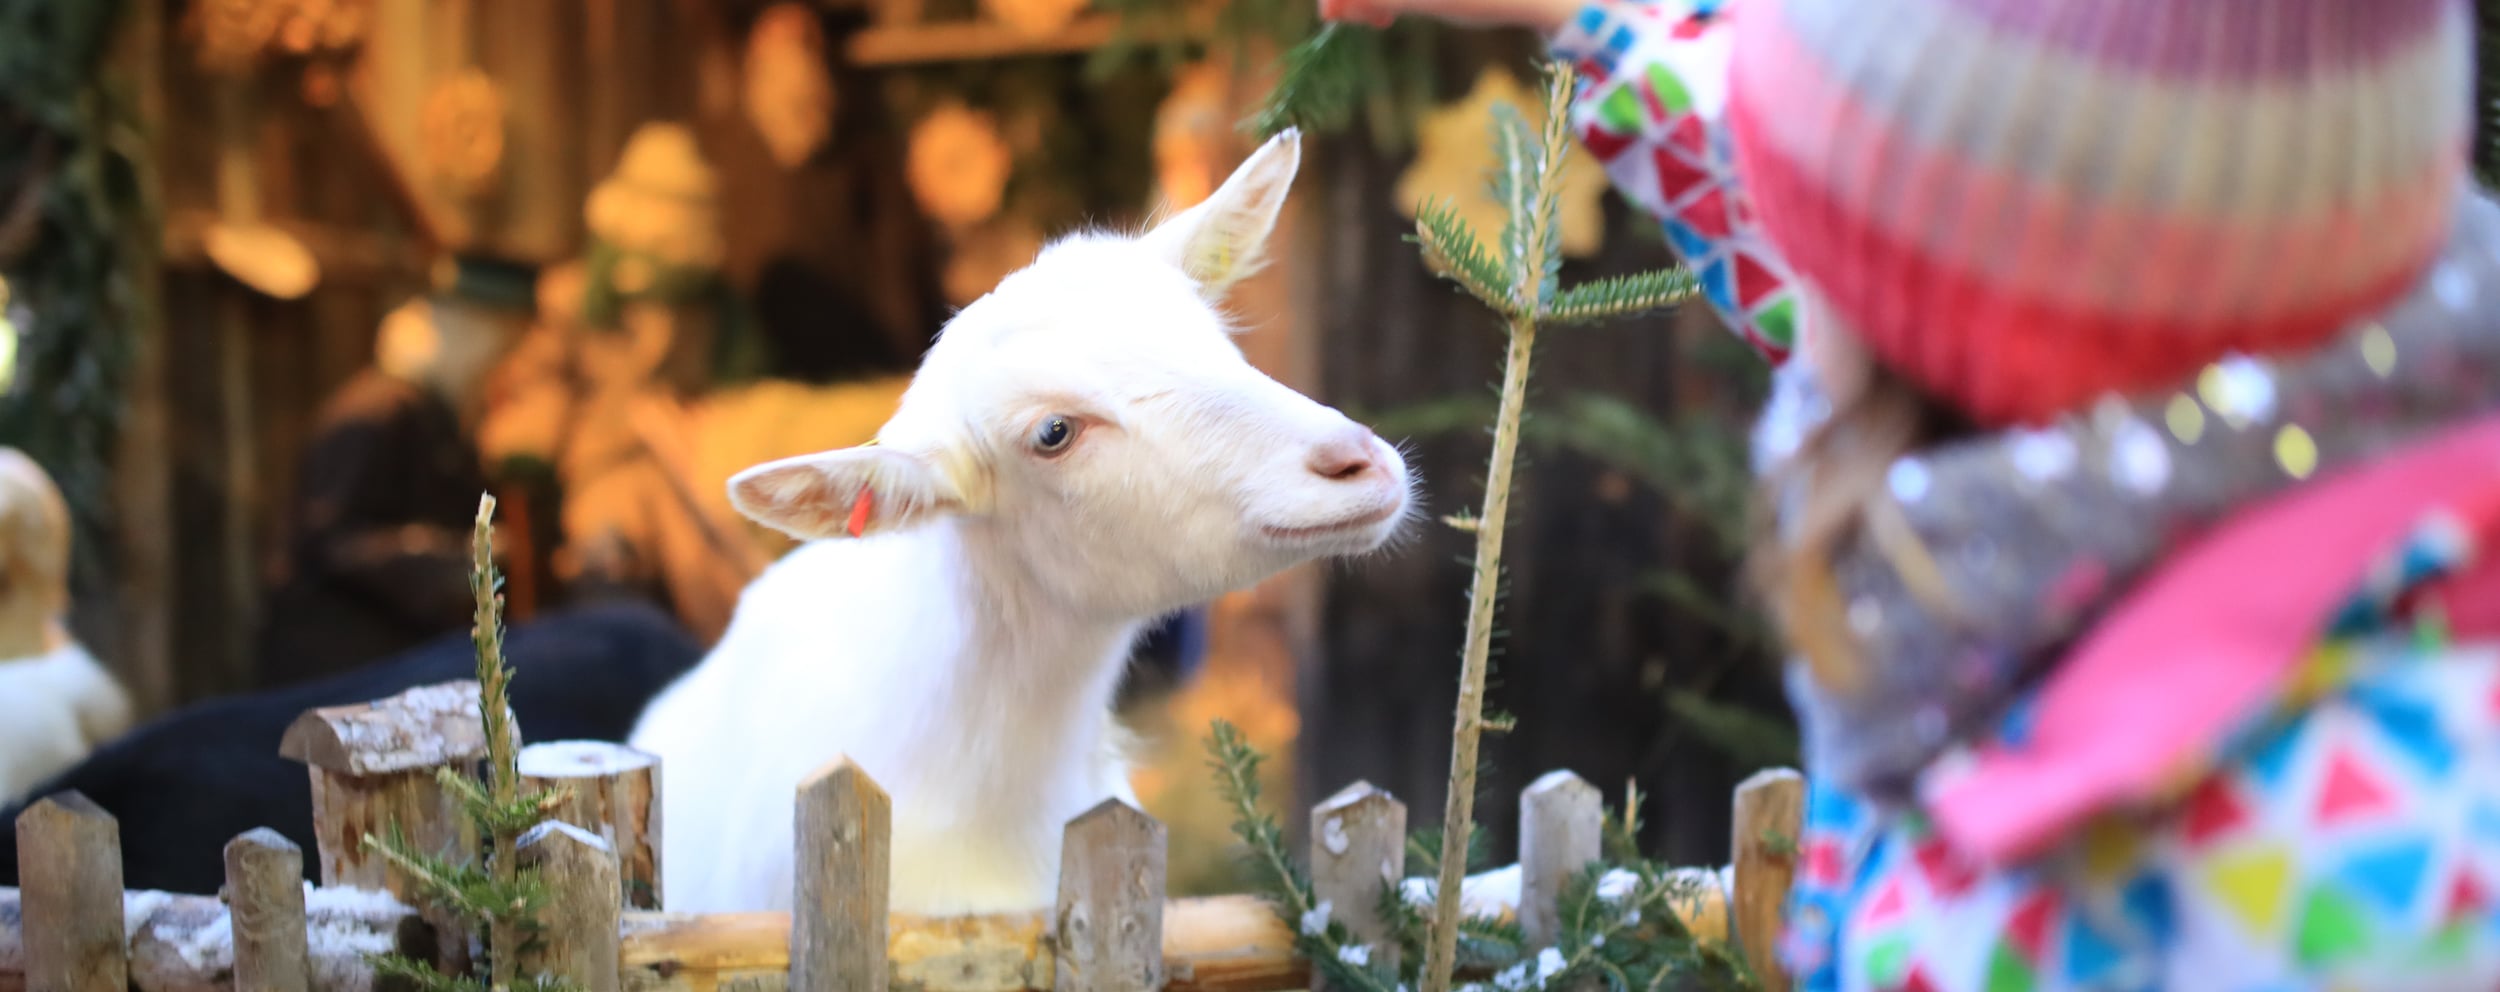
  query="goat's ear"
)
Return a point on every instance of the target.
[
  {"x": 1221, "y": 240},
  {"x": 820, "y": 495}
]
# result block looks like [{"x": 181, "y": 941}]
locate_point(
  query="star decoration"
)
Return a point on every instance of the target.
[{"x": 1455, "y": 159}]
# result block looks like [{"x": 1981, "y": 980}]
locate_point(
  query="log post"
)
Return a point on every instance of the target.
[
  {"x": 1770, "y": 813},
  {"x": 583, "y": 915},
  {"x": 373, "y": 765},
  {"x": 1561, "y": 831},
  {"x": 1358, "y": 848},
  {"x": 69, "y": 867},
  {"x": 845, "y": 858},
  {"x": 265, "y": 901},
  {"x": 613, "y": 792},
  {"x": 1111, "y": 885}
]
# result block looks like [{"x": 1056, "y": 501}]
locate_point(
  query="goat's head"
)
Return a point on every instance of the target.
[{"x": 1093, "y": 413}]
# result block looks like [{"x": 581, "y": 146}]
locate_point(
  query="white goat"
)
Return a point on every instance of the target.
[
  {"x": 1082, "y": 450},
  {"x": 56, "y": 703}
]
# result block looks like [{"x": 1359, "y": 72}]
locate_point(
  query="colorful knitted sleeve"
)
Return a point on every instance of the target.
[{"x": 1654, "y": 83}]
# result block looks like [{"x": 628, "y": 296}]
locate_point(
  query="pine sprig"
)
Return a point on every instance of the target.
[
  {"x": 1318, "y": 937},
  {"x": 1451, "y": 251},
  {"x": 1621, "y": 296},
  {"x": 1631, "y": 939},
  {"x": 1319, "y": 85},
  {"x": 1518, "y": 185},
  {"x": 500, "y": 895},
  {"x": 409, "y": 973}
]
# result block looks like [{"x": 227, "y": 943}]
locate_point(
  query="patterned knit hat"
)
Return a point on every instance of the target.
[{"x": 2024, "y": 204}]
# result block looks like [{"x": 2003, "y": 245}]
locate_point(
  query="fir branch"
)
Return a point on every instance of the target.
[
  {"x": 1531, "y": 272},
  {"x": 1518, "y": 186},
  {"x": 1236, "y": 764},
  {"x": 1319, "y": 85},
  {"x": 1451, "y": 251},
  {"x": 1322, "y": 940},
  {"x": 409, "y": 973},
  {"x": 462, "y": 888},
  {"x": 1621, "y": 296},
  {"x": 500, "y": 896}
]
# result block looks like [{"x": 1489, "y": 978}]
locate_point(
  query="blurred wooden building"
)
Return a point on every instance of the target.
[{"x": 320, "y": 159}]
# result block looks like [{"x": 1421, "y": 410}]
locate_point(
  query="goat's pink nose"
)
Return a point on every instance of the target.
[{"x": 1349, "y": 456}]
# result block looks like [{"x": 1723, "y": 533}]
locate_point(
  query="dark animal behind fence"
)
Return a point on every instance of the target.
[{"x": 189, "y": 781}]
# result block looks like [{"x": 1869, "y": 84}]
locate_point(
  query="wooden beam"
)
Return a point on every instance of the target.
[
  {"x": 974, "y": 40},
  {"x": 969, "y": 41},
  {"x": 178, "y": 943},
  {"x": 347, "y": 255}
]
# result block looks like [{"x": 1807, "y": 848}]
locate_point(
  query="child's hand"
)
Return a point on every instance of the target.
[{"x": 1541, "y": 15}]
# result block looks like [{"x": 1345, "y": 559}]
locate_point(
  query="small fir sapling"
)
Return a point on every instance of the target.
[
  {"x": 1633, "y": 940},
  {"x": 1621, "y": 926},
  {"x": 501, "y": 896}
]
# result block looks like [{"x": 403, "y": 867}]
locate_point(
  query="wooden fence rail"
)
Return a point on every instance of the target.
[{"x": 72, "y": 929}]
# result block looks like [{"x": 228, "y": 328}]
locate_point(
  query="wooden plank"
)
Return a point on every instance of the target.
[
  {"x": 613, "y": 792},
  {"x": 976, "y": 40},
  {"x": 69, "y": 863},
  {"x": 1218, "y": 944},
  {"x": 579, "y": 942},
  {"x": 1561, "y": 828},
  {"x": 845, "y": 857},
  {"x": 265, "y": 899},
  {"x": 1770, "y": 813},
  {"x": 1111, "y": 895},
  {"x": 1358, "y": 848}
]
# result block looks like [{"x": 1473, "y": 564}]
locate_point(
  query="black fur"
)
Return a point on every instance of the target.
[{"x": 186, "y": 783}]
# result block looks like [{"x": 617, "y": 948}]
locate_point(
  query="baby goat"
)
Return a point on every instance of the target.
[
  {"x": 1082, "y": 450},
  {"x": 56, "y": 703}
]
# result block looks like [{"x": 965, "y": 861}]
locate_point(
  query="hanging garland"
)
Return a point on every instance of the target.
[{"x": 76, "y": 225}]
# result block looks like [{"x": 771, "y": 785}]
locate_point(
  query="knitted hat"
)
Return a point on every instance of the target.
[{"x": 2023, "y": 204}]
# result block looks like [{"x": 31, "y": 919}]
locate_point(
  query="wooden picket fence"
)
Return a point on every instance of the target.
[{"x": 71, "y": 928}]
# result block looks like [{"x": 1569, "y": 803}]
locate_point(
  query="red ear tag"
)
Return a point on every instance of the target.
[{"x": 859, "y": 512}]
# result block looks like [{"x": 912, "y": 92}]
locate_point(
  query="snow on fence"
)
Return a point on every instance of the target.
[{"x": 71, "y": 928}]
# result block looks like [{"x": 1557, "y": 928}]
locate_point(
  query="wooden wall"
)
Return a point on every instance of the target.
[{"x": 231, "y": 383}]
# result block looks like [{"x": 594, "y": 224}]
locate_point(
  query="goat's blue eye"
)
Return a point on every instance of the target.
[{"x": 1053, "y": 436}]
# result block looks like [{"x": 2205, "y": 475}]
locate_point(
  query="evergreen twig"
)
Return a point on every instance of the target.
[
  {"x": 1530, "y": 190},
  {"x": 1318, "y": 87},
  {"x": 500, "y": 895},
  {"x": 502, "y": 812},
  {"x": 1632, "y": 939},
  {"x": 1621, "y": 296}
]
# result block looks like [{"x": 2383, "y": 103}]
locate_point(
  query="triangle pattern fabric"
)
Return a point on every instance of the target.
[
  {"x": 2253, "y": 887},
  {"x": 2029, "y": 927},
  {"x": 2466, "y": 896},
  {"x": 2352, "y": 791},
  {"x": 2213, "y": 811},
  {"x": 2089, "y": 956},
  {"x": 2390, "y": 876}
]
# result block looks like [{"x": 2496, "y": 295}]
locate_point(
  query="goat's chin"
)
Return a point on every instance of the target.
[{"x": 1353, "y": 534}]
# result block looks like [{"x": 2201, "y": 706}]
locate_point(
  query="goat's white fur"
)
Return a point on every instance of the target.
[
  {"x": 965, "y": 651},
  {"x": 56, "y": 703}
]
